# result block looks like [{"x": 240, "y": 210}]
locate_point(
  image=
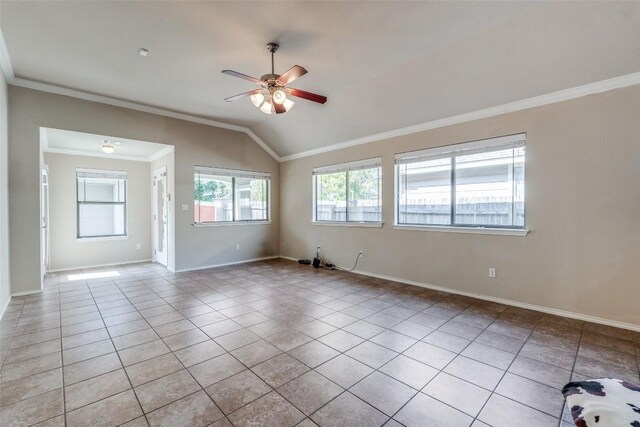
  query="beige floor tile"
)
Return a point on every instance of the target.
[
  {"x": 200, "y": 352},
  {"x": 15, "y": 371},
  {"x": 213, "y": 370},
  {"x": 165, "y": 390},
  {"x": 279, "y": 370},
  {"x": 460, "y": 394},
  {"x": 313, "y": 353},
  {"x": 533, "y": 394},
  {"x": 30, "y": 351},
  {"x": 88, "y": 351},
  {"x": 371, "y": 354},
  {"x": 500, "y": 412},
  {"x": 142, "y": 352},
  {"x": 91, "y": 368},
  {"x": 195, "y": 410},
  {"x": 135, "y": 338},
  {"x": 409, "y": 371},
  {"x": 268, "y": 411},
  {"x": 383, "y": 392},
  {"x": 185, "y": 339},
  {"x": 431, "y": 355},
  {"x": 33, "y": 410},
  {"x": 113, "y": 410},
  {"x": 345, "y": 408},
  {"x": 309, "y": 392},
  {"x": 255, "y": 353},
  {"x": 152, "y": 369},
  {"x": 344, "y": 370},
  {"x": 236, "y": 391},
  {"x": 425, "y": 411},
  {"x": 24, "y": 388},
  {"x": 34, "y": 338},
  {"x": 96, "y": 388}
]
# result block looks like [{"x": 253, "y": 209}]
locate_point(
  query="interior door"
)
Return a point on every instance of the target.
[{"x": 160, "y": 217}]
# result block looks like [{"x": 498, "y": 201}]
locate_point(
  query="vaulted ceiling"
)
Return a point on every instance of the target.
[{"x": 383, "y": 65}]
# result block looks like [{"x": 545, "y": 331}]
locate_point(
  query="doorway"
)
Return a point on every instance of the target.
[{"x": 160, "y": 217}]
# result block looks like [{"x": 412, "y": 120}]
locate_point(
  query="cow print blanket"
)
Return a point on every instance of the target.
[{"x": 604, "y": 402}]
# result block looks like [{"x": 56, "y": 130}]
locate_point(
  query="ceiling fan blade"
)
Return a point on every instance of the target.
[
  {"x": 279, "y": 108},
  {"x": 292, "y": 74},
  {"x": 242, "y": 95},
  {"x": 307, "y": 95},
  {"x": 243, "y": 76}
]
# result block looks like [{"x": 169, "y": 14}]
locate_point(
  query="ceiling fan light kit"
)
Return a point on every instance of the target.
[{"x": 273, "y": 96}]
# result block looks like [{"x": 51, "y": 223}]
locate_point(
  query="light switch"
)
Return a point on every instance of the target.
[{"x": 185, "y": 207}]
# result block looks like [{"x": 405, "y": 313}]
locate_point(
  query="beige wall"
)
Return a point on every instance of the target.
[
  {"x": 167, "y": 161},
  {"x": 583, "y": 209},
  {"x": 5, "y": 286},
  {"x": 194, "y": 144},
  {"x": 66, "y": 251}
]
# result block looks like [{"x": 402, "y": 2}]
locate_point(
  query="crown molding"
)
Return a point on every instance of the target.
[
  {"x": 60, "y": 90},
  {"x": 5, "y": 60},
  {"x": 536, "y": 101},
  {"x": 160, "y": 154}
]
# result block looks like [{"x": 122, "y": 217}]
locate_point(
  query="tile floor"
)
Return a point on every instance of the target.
[{"x": 278, "y": 344}]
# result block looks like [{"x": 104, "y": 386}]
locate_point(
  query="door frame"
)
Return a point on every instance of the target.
[
  {"x": 155, "y": 217},
  {"x": 45, "y": 234}
]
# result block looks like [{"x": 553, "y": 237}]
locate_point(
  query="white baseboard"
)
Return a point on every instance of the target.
[
  {"x": 24, "y": 293},
  {"x": 4, "y": 308},
  {"x": 100, "y": 265},
  {"x": 540, "y": 308},
  {"x": 226, "y": 263}
]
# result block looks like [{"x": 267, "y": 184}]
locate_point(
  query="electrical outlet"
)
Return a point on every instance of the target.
[
  {"x": 361, "y": 253},
  {"x": 185, "y": 207},
  {"x": 237, "y": 246},
  {"x": 492, "y": 273},
  {"x": 138, "y": 246}
]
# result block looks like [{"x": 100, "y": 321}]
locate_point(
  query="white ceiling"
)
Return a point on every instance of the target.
[
  {"x": 87, "y": 144},
  {"x": 383, "y": 65}
]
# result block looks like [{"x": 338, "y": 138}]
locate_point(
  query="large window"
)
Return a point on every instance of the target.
[
  {"x": 475, "y": 184},
  {"x": 101, "y": 203},
  {"x": 225, "y": 195},
  {"x": 349, "y": 192}
]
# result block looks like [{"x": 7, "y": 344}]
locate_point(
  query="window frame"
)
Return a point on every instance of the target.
[
  {"x": 233, "y": 174},
  {"x": 107, "y": 174},
  {"x": 487, "y": 145},
  {"x": 370, "y": 163}
]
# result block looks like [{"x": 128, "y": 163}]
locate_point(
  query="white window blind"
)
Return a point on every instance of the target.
[
  {"x": 206, "y": 170},
  {"x": 480, "y": 146},
  {"x": 474, "y": 184},
  {"x": 101, "y": 203},
  {"x": 351, "y": 166},
  {"x": 348, "y": 192},
  {"x": 230, "y": 195}
]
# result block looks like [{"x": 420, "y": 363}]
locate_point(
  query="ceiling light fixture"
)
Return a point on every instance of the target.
[{"x": 108, "y": 148}]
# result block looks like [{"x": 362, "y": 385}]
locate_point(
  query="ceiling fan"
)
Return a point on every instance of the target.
[{"x": 272, "y": 96}]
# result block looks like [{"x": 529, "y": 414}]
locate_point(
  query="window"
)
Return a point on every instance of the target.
[
  {"x": 349, "y": 192},
  {"x": 225, "y": 195},
  {"x": 476, "y": 184},
  {"x": 102, "y": 203}
]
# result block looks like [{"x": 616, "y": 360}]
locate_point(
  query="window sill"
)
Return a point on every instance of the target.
[
  {"x": 228, "y": 223},
  {"x": 466, "y": 230},
  {"x": 349, "y": 224},
  {"x": 100, "y": 239}
]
